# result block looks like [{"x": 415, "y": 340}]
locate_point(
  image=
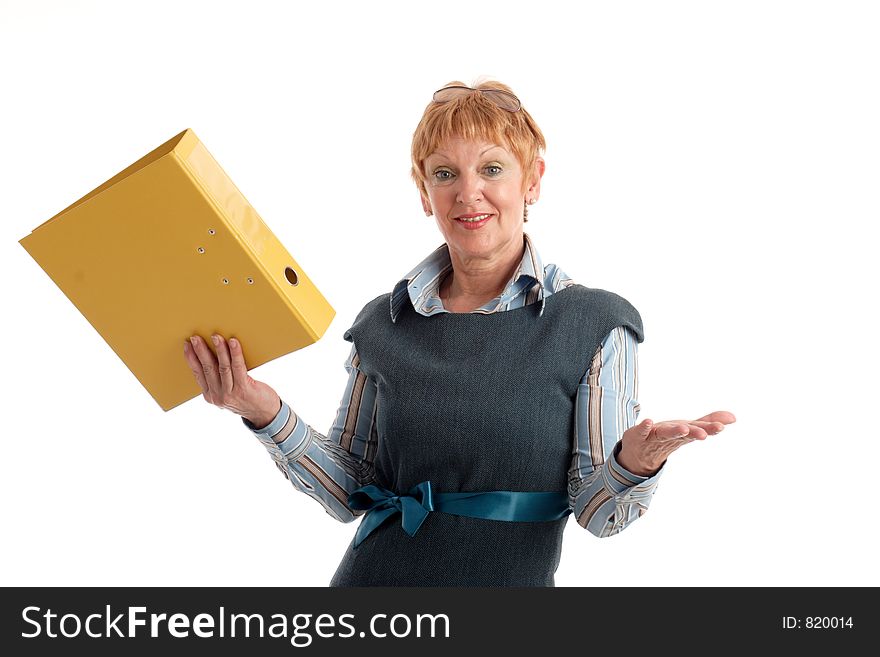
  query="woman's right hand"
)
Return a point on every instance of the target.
[{"x": 225, "y": 382}]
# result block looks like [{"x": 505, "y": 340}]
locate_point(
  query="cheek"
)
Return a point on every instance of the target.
[
  {"x": 509, "y": 197},
  {"x": 440, "y": 198}
]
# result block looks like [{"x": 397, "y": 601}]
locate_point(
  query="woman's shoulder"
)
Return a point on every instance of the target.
[
  {"x": 375, "y": 310},
  {"x": 596, "y": 301},
  {"x": 383, "y": 301},
  {"x": 578, "y": 291}
]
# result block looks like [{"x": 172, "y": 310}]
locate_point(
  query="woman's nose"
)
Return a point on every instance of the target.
[{"x": 470, "y": 189}]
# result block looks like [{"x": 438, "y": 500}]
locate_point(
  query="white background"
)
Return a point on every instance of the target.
[{"x": 714, "y": 163}]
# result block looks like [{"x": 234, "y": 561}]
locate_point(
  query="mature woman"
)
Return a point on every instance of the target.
[{"x": 489, "y": 396}]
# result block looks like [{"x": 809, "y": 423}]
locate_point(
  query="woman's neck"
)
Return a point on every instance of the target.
[{"x": 475, "y": 281}]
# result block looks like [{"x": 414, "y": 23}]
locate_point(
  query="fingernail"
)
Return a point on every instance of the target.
[
  {"x": 233, "y": 342},
  {"x": 215, "y": 339},
  {"x": 193, "y": 340}
]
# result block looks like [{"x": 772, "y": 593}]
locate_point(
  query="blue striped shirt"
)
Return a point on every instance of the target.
[{"x": 604, "y": 497}]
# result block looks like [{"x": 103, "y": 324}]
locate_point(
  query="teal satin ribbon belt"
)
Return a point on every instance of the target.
[{"x": 415, "y": 506}]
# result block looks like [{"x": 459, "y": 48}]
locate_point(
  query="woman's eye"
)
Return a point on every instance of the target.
[
  {"x": 443, "y": 174},
  {"x": 493, "y": 170}
]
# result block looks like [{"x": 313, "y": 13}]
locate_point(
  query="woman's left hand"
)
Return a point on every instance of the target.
[{"x": 646, "y": 445}]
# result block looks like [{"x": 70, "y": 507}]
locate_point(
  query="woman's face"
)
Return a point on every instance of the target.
[{"x": 467, "y": 179}]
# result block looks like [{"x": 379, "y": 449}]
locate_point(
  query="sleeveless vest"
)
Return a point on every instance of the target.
[{"x": 475, "y": 402}]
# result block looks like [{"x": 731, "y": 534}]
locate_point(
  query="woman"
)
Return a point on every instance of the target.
[{"x": 488, "y": 396}]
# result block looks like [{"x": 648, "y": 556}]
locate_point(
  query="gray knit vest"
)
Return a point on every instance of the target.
[{"x": 475, "y": 402}]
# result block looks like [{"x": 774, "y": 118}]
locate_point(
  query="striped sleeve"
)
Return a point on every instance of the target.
[
  {"x": 605, "y": 497},
  {"x": 328, "y": 468}
]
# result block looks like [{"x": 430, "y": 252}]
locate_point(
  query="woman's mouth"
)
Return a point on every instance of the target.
[{"x": 474, "y": 221}]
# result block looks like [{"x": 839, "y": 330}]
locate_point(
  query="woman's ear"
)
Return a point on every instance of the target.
[
  {"x": 534, "y": 188},
  {"x": 426, "y": 205}
]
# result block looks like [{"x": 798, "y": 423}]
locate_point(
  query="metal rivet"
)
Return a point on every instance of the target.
[
  {"x": 250, "y": 281},
  {"x": 291, "y": 276},
  {"x": 211, "y": 231},
  {"x": 225, "y": 281},
  {"x": 201, "y": 250}
]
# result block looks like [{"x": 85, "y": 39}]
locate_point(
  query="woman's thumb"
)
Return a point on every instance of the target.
[{"x": 647, "y": 425}]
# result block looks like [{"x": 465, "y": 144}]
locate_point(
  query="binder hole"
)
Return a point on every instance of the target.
[
  {"x": 291, "y": 276},
  {"x": 225, "y": 281},
  {"x": 211, "y": 231},
  {"x": 201, "y": 250},
  {"x": 250, "y": 281}
]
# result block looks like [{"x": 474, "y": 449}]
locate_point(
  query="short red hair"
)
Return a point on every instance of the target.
[{"x": 472, "y": 116}]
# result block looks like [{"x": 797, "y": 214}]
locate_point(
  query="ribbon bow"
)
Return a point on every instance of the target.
[{"x": 381, "y": 503}]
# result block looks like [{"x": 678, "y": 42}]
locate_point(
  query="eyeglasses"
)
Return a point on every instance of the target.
[{"x": 503, "y": 99}]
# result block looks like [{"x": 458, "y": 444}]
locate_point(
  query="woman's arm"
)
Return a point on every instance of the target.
[
  {"x": 328, "y": 468},
  {"x": 606, "y": 497}
]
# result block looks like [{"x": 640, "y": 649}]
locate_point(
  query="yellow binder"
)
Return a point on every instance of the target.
[{"x": 170, "y": 248}]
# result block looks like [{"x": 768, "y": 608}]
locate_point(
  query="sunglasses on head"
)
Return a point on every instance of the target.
[{"x": 503, "y": 99}]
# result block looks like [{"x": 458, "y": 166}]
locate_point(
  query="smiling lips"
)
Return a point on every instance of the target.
[{"x": 473, "y": 220}]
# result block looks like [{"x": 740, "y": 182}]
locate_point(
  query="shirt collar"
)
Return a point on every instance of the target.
[{"x": 420, "y": 286}]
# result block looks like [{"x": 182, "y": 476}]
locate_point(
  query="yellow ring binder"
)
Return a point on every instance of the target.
[{"x": 168, "y": 248}]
